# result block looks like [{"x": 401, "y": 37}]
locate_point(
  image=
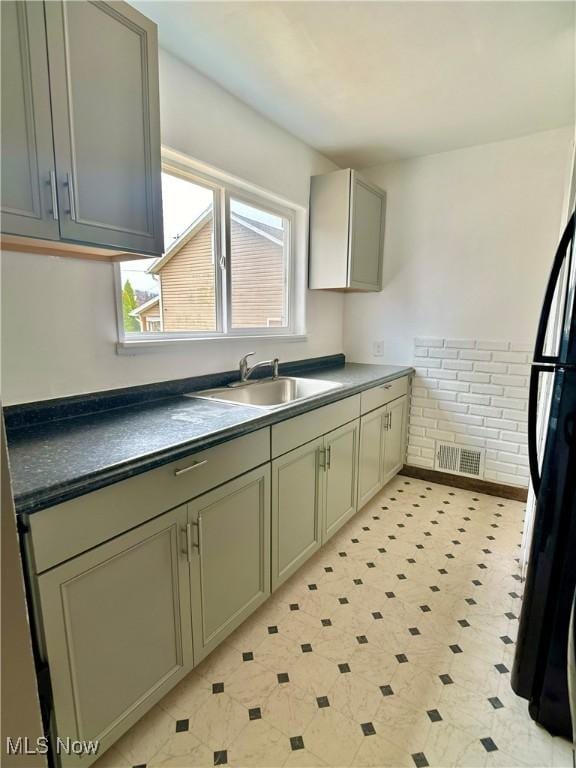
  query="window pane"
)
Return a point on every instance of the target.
[
  {"x": 258, "y": 254},
  {"x": 176, "y": 292}
]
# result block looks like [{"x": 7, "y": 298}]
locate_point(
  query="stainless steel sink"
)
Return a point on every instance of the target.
[{"x": 268, "y": 393}]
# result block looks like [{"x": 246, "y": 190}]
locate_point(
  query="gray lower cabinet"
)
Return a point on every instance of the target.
[
  {"x": 371, "y": 463},
  {"x": 28, "y": 172},
  {"x": 297, "y": 494},
  {"x": 341, "y": 477},
  {"x": 314, "y": 492},
  {"x": 394, "y": 444},
  {"x": 382, "y": 447},
  {"x": 117, "y": 629},
  {"x": 229, "y": 539}
]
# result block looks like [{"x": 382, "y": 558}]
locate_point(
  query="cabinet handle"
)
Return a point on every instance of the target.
[
  {"x": 328, "y": 456},
  {"x": 52, "y": 183},
  {"x": 195, "y": 465},
  {"x": 390, "y": 420},
  {"x": 71, "y": 200},
  {"x": 196, "y": 543},
  {"x": 187, "y": 532},
  {"x": 386, "y": 386},
  {"x": 322, "y": 458}
]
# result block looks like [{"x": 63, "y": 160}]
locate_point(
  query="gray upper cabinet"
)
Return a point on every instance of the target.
[
  {"x": 117, "y": 629},
  {"x": 84, "y": 129},
  {"x": 28, "y": 172},
  {"x": 104, "y": 80},
  {"x": 346, "y": 232}
]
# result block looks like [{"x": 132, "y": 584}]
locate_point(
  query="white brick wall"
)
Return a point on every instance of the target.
[{"x": 474, "y": 393}]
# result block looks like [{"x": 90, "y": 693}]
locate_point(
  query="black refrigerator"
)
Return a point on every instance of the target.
[{"x": 541, "y": 666}]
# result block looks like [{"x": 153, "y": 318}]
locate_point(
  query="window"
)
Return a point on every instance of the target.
[{"x": 227, "y": 269}]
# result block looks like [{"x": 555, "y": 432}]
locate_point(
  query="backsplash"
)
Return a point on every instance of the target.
[{"x": 474, "y": 394}]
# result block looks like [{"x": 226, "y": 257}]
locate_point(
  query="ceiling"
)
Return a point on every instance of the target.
[{"x": 367, "y": 82}]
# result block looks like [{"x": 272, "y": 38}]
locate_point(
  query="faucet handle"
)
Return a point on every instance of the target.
[
  {"x": 275, "y": 364},
  {"x": 243, "y": 364}
]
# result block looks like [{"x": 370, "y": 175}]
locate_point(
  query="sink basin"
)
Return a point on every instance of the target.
[{"x": 268, "y": 393}]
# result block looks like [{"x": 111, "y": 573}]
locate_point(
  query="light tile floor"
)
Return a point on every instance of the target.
[{"x": 391, "y": 647}]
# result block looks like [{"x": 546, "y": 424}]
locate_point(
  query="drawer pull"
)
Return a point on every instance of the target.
[
  {"x": 195, "y": 465},
  {"x": 386, "y": 386}
]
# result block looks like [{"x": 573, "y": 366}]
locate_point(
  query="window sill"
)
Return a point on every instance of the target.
[{"x": 133, "y": 347}]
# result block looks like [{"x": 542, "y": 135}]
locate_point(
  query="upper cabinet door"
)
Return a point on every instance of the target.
[
  {"x": 28, "y": 191},
  {"x": 366, "y": 236},
  {"x": 105, "y": 108}
]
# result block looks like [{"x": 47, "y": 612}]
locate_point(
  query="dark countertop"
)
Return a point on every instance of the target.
[{"x": 59, "y": 459}]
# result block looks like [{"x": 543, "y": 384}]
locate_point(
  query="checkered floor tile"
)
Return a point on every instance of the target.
[{"x": 391, "y": 647}]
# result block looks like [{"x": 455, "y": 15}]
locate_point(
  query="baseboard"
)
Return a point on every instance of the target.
[{"x": 467, "y": 483}]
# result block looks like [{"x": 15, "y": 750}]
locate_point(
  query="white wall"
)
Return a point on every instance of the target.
[
  {"x": 59, "y": 326},
  {"x": 470, "y": 237}
]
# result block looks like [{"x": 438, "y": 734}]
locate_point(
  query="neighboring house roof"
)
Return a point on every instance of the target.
[
  {"x": 143, "y": 307},
  {"x": 187, "y": 235},
  {"x": 274, "y": 234},
  {"x": 267, "y": 230}
]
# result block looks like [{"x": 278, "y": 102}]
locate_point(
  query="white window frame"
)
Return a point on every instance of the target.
[{"x": 226, "y": 188}]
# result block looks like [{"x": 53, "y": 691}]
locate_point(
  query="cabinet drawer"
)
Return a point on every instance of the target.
[
  {"x": 65, "y": 530},
  {"x": 301, "y": 429},
  {"x": 383, "y": 393}
]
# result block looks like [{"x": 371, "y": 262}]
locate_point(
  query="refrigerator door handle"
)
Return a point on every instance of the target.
[
  {"x": 532, "y": 425},
  {"x": 559, "y": 259}
]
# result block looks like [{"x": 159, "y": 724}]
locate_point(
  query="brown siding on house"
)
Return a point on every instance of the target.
[
  {"x": 187, "y": 285},
  {"x": 257, "y": 279},
  {"x": 150, "y": 314},
  {"x": 188, "y": 290}
]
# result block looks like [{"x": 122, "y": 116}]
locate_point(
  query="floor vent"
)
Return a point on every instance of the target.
[{"x": 459, "y": 460}]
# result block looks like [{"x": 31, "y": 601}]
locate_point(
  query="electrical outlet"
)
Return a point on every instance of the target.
[{"x": 378, "y": 348}]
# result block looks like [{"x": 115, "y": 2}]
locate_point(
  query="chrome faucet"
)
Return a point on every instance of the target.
[{"x": 246, "y": 371}]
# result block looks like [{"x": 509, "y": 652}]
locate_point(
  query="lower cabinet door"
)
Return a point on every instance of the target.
[
  {"x": 395, "y": 438},
  {"x": 371, "y": 463},
  {"x": 230, "y": 562},
  {"x": 117, "y": 630},
  {"x": 341, "y": 477},
  {"x": 296, "y": 509}
]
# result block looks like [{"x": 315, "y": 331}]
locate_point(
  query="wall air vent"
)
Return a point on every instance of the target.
[{"x": 458, "y": 460}]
